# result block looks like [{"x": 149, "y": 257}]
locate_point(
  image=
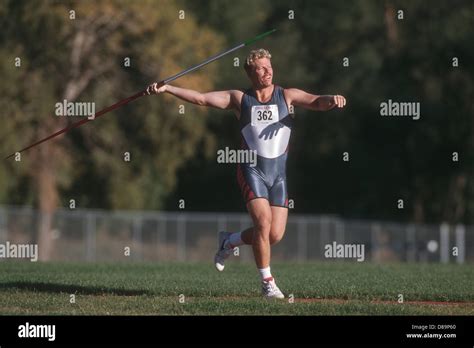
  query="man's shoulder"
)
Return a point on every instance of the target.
[
  {"x": 236, "y": 96},
  {"x": 242, "y": 91},
  {"x": 237, "y": 93},
  {"x": 288, "y": 93}
]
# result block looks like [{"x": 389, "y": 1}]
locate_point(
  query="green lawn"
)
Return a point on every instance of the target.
[{"x": 154, "y": 289}]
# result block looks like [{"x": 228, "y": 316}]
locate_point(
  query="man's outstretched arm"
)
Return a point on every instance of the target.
[
  {"x": 220, "y": 99},
  {"x": 297, "y": 97}
]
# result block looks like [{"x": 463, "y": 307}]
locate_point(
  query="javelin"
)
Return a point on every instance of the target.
[{"x": 142, "y": 93}]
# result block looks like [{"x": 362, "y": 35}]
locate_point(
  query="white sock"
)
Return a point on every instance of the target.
[
  {"x": 265, "y": 273},
  {"x": 235, "y": 240}
]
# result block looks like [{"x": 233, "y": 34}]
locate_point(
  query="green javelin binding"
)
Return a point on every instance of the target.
[{"x": 256, "y": 38}]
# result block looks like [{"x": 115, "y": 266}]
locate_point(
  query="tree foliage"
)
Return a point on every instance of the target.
[{"x": 404, "y": 56}]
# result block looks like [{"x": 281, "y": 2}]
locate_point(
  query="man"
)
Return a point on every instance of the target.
[{"x": 265, "y": 116}]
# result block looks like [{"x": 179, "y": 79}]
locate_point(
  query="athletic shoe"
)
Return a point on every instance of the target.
[
  {"x": 222, "y": 253},
  {"x": 270, "y": 289}
]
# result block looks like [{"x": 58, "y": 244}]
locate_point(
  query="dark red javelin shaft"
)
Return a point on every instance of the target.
[{"x": 85, "y": 120}]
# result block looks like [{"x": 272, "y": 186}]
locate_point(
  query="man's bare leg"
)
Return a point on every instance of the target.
[
  {"x": 261, "y": 213},
  {"x": 277, "y": 230},
  {"x": 279, "y": 219}
]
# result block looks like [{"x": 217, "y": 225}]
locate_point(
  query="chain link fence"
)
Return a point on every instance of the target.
[{"x": 95, "y": 235}]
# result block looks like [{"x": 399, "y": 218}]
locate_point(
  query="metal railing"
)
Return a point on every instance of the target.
[{"x": 96, "y": 235}]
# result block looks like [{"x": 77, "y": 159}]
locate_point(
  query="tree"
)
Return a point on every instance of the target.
[{"x": 77, "y": 51}]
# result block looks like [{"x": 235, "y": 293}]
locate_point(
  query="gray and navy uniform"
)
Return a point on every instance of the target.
[{"x": 266, "y": 129}]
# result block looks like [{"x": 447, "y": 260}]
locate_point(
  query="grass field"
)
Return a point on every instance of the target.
[{"x": 154, "y": 289}]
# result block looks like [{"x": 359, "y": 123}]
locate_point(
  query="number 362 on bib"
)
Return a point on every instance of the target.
[{"x": 264, "y": 114}]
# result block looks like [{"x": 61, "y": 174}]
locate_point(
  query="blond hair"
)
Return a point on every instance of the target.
[{"x": 254, "y": 55}]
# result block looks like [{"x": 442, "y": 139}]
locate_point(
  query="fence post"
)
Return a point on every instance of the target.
[
  {"x": 91, "y": 237},
  {"x": 322, "y": 234},
  {"x": 444, "y": 242},
  {"x": 460, "y": 243},
  {"x": 221, "y": 224},
  {"x": 137, "y": 236},
  {"x": 411, "y": 243},
  {"x": 302, "y": 239},
  {"x": 181, "y": 237},
  {"x": 340, "y": 230},
  {"x": 161, "y": 236},
  {"x": 374, "y": 231}
]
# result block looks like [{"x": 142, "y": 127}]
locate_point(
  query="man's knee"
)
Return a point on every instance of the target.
[
  {"x": 276, "y": 235},
  {"x": 263, "y": 227}
]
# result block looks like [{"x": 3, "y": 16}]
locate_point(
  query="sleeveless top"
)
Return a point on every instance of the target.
[{"x": 265, "y": 127}]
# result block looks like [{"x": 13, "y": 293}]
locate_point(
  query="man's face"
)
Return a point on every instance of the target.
[{"x": 261, "y": 73}]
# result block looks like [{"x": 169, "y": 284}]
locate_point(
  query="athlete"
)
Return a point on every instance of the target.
[{"x": 265, "y": 114}]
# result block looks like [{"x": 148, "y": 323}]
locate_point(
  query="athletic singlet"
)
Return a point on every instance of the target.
[{"x": 266, "y": 129}]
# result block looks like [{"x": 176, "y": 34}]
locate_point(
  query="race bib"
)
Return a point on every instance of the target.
[{"x": 264, "y": 115}]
